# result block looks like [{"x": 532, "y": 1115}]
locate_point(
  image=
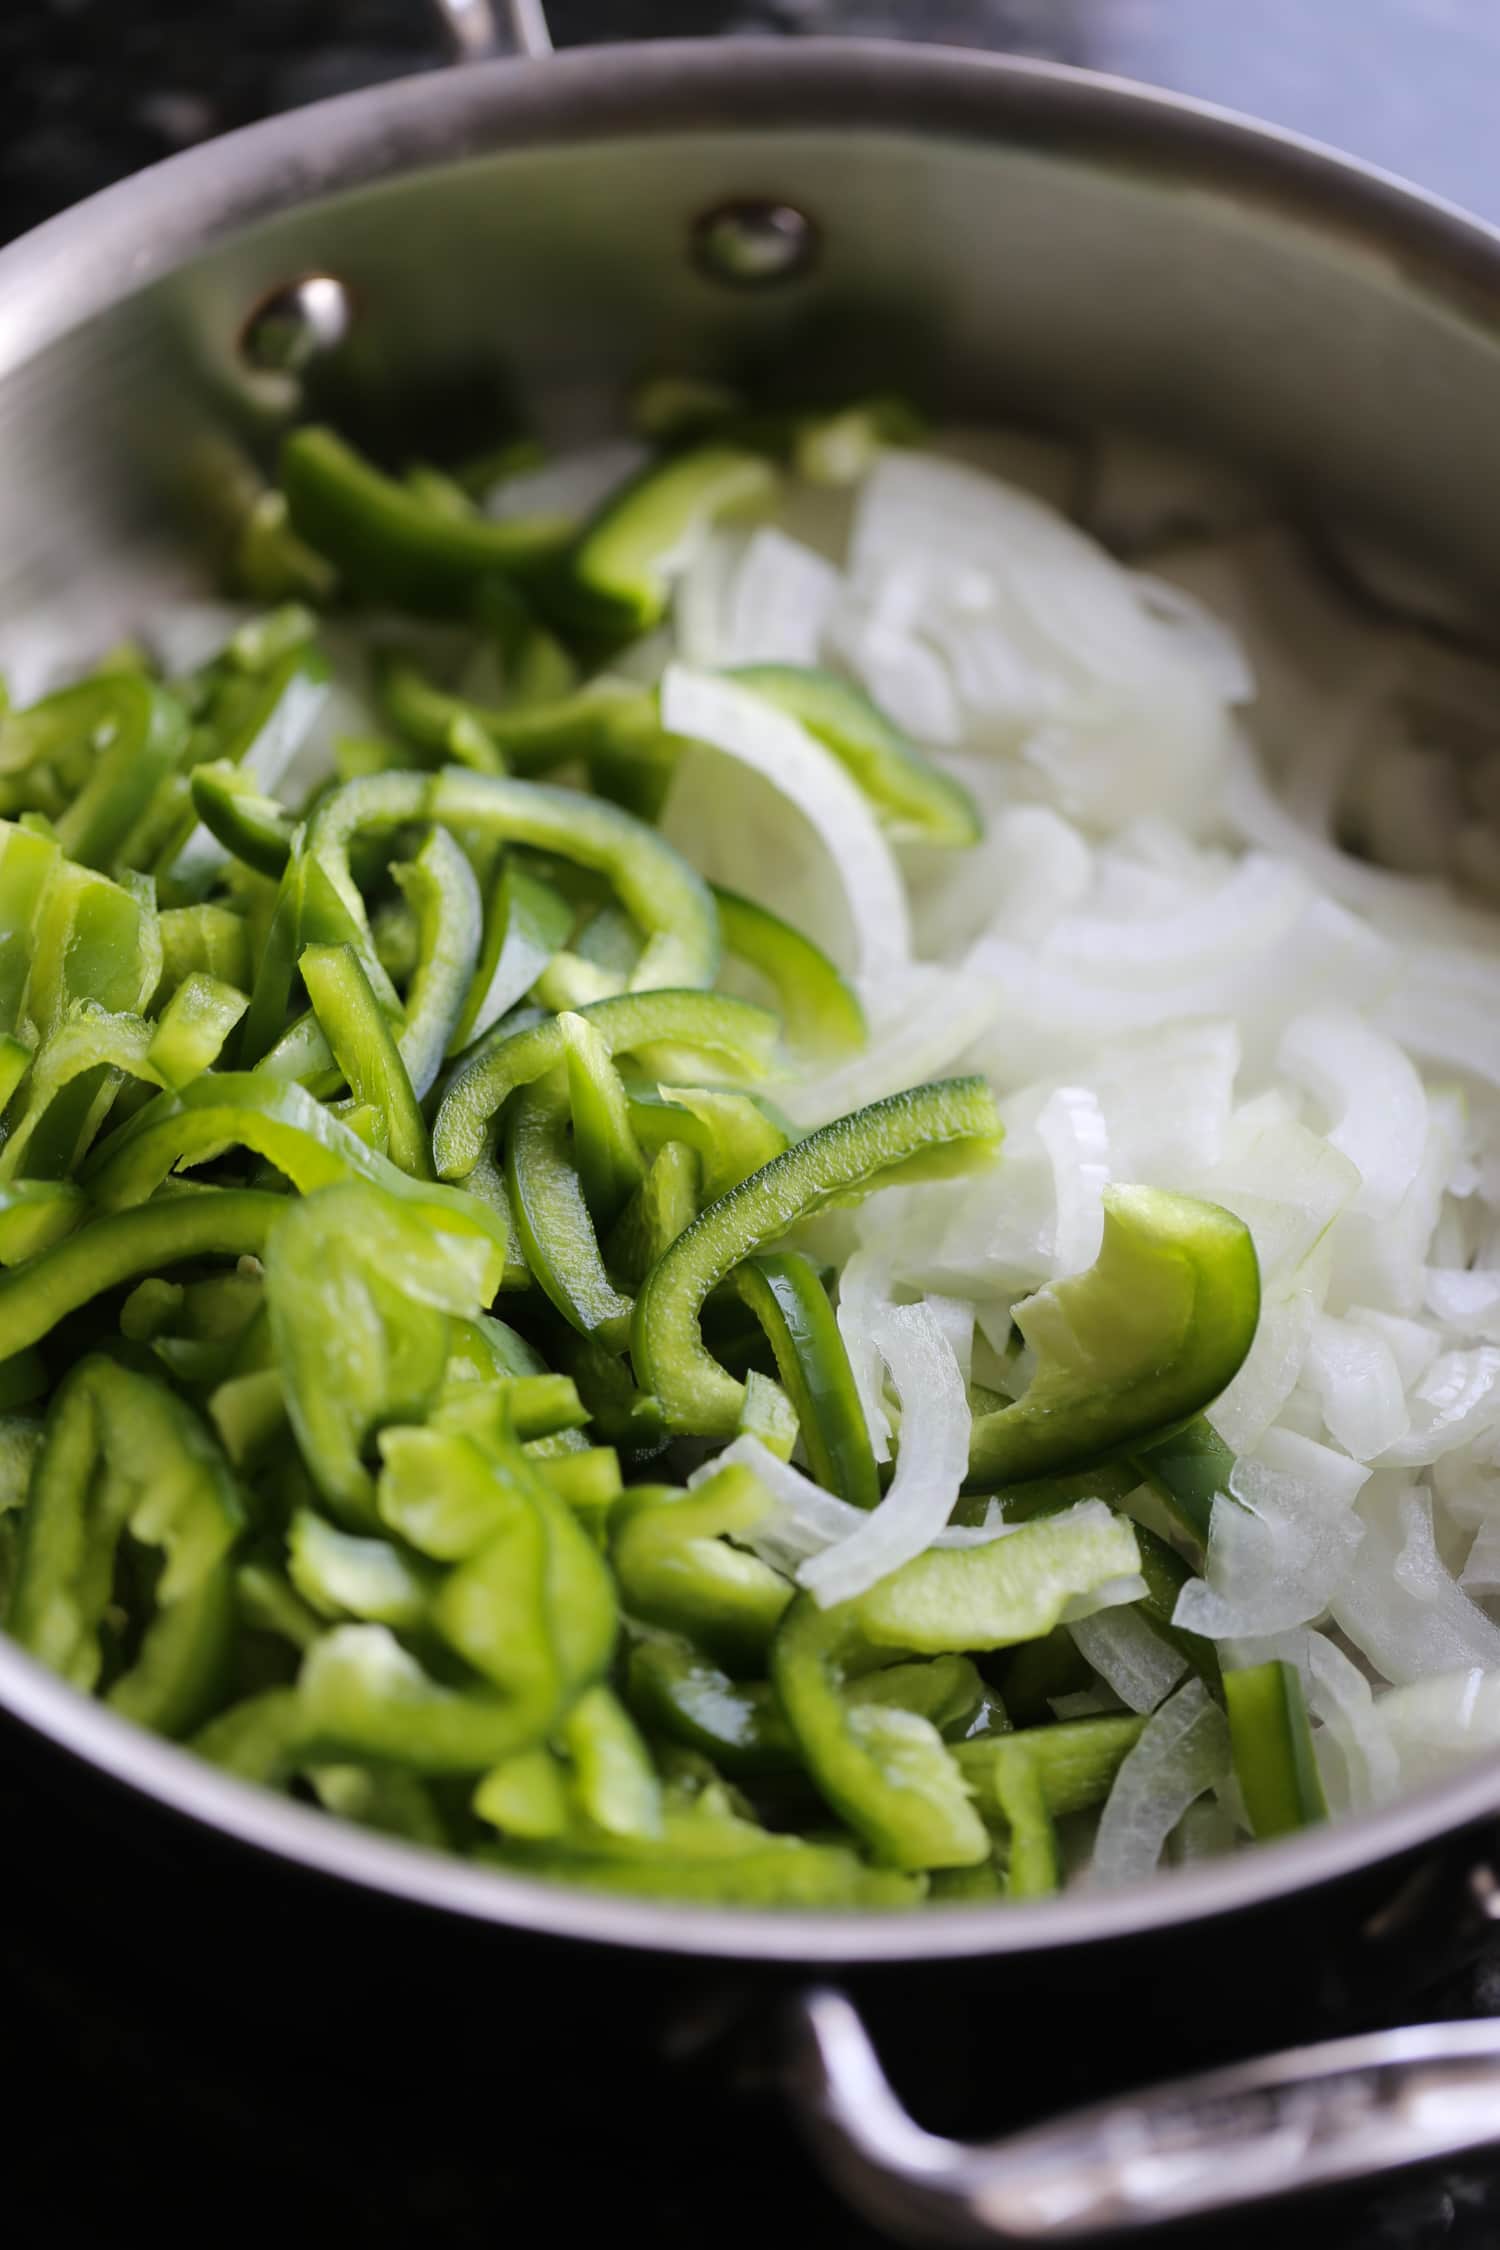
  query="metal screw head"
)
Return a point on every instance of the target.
[
  {"x": 295, "y": 324},
  {"x": 753, "y": 244}
]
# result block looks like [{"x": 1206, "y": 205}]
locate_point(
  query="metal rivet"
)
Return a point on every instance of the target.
[
  {"x": 753, "y": 244},
  {"x": 295, "y": 324}
]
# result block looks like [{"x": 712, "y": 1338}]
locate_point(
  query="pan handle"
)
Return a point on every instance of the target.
[
  {"x": 481, "y": 29},
  {"x": 1196, "y": 2148}
]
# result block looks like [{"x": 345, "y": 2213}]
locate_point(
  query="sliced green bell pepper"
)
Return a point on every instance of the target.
[
  {"x": 1272, "y": 1746},
  {"x": 913, "y": 799},
  {"x": 784, "y": 1291}
]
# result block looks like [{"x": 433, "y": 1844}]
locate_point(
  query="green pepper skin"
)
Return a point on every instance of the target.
[
  {"x": 121, "y": 1452},
  {"x": 821, "y": 1012},
  {"x": 1138, "y": 1345},
  {"x": 616, "y": 578},
  {"x": 843, "y": 1160},
  {"x": 1271, "y": 1741},
  {"x": 788, "y": 1299},
  {"x": 734, "y": 1033},
  {"x": 391, "y": 544}
]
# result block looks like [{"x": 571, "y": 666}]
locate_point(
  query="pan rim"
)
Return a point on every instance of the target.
[{"x": 78, "y": 265}]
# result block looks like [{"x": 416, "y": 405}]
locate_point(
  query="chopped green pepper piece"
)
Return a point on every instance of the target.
[
  {"x": 677, "y": 1569},
  {"x": 1189, "y": 1469},
  {"x": 1274, "y": 1760},
  {"x": 253, "y": 827},
  {"x": 842, "y": 1160},
  {"x": 552, "y": 1216},
  {"x": 785, "y": 1293},
  {"x": 821, "y": 1012},
  {"x": 366, "y": 1050},
  {"x": 392, "y": 544},
  {"x": 525, "y": 921},
  {"x": 617, "y": 573},
  {"x": 1152, "y": 1333},
  {"x": 192, "y": 1028}
]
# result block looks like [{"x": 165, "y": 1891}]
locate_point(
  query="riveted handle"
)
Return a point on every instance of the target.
[
  {"x": 1202, "y": 2147},
  {"x": 481, "y": 29}
]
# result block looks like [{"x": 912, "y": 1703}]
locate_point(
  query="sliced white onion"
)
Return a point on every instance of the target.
[
  {"x": 955, "y": 1318},
  {"x": 930, "y": 1467},
  {"x": 743, "y": 726},
  {"x": 1270, "y": 1371},
  {"x": 700, "y": 605},
  {"x": 1340, "y": 1699},
  {"x": 1136, "y": 1662},
  {"x": 1480, "y": 1576},
  {"x": 1182, "y": 1752},
  {"x": 1029, "y": 868},
  {"x": 1072, "y": 1130},
  {"x": 1467, "y": 1302},
  {"x": 1456, "y": 1403},
  {"x": 779, "y": 602},
  {"x": 864, "y": 1296},
  {"x": 920, "y": 1021},
  {"x": 1257, "y": 904},
  {"x": 1383, "y": 1261},
  {"x": 1411, "y": 1343},
  {"x": 1371, "y": 1092},
  {"x": 1358, "y": 1385},
  {"x": 1279, "y": 1545},
  {"x": 1437, "y": 1725},
  {"x": 1397, "y": 1602}
]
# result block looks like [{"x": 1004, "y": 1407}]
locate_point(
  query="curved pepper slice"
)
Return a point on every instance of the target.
[
  {"x": 365, "y": 1049},
  {"x": 675, "y": 1690},
  {"x": 605, "y": 717},
  {"x": 440, "y": 888},
  {"x": 605, "y": 1150},
  {"x": 122, "y": 1247},
  {"x": 655, "y": 884},
  {"x": 734, "y": 1033},
  {"x": 1023, "y": 1783},
  {"x": 242, "y": 821},
  {"x": 821, "y": 1012},
  {"x": 618, "y": 573},
  {"x": 191, "y": 1030},
  {"x": 956, "y": 1119},
  {"x": 90, "y": 939},
  {"x": 552, "y": 1216},
  {"x": 665, "y": 1202},
  {"x": 732, "y": 1134},
  {"x": 36, "y": 1213},
  {"x": 1189, "y": 1469},
  {"x": 75, "y": 1075},
  {"x": 525, "y": 922},
  {"x": 92, "y": 756},
  {"x": 392, "y": 544},
  {"x": 913, "y": 799},
  {"x": 1153, "y": 1332},
  {"x": 283, "y": 1123},
  {"x": 211, "y": 940},
  {"x": 677, "y": 1569},
  {"x": 359, "y": 1289},
  {"x": 120, "y": 1453},
  {"x": 886, "y": 1771},
  {"x": 784, "y": 1292}
]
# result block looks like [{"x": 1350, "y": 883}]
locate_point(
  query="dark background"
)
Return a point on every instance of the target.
[{"x": 107, "y": 2128}]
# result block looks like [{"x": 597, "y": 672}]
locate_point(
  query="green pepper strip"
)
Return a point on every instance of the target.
[
  {"x": 440, "y": 888},
  {"x": 657, "y": 887},
  {"x": 281, "y": 1122},
  {"x": 100, "y": 750},
  {"x": 886, "y": 1771},
  {"x": 676, "y": 1568},
  {"x": 616, "y": 578},
  {"x": 1189, "y": 1469},
  {"x": 192, "y": 1028},
  {"x": 675, "y": 1690},
  {"x": 785, "y": 1293},
  {"x": 956, "y": 1117},
  {"x": 364, "y": 1046},
  {"x": 91, "y": 939},
  {"x": 913, "y": 799},
  {"x": 36, "y": 1213},
  {"x": 665, "y": 1202},
  {"x": 605, "y": 1150},
  {"x": 733, "y": 1134},
  {"x": 120, "y": 1453},
  {"x": 821, "y": 1012},
  {"x": 605, "y": 718},
  {"x": 733, "y": 1032},
  {"x": 1141, "y": 1342},
  {"x": 1023, "y": 1783},
  {"x": 75, "y": 1076},
  {"x": 1274, "y": 1760},
  {"x": 209, "y": 940},
  {"x": 391, "y": 544},
  {"x": 552, "y": 1216},
  {"x": 35, "y": 1297},
  {"x": 249, "y": 826},
  {"x": 525, "y": 922}
]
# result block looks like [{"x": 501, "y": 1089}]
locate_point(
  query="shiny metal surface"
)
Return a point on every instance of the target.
[
  {"x": 480, "y": 29},
  {"x": 1225, "y": 2141},
  {"x": 1004, "y": 237},
  {"x": 294, "y": 325}
]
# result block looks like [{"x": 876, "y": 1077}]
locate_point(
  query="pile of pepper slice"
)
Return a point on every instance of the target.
[{"x": 298, "y": 1100}]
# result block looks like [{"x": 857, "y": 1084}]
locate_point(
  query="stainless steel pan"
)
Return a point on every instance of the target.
[{"x": 1012, "y": 238}]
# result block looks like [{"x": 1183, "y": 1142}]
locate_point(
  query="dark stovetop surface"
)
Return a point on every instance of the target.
[{"x": 99, "y": 2123}]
